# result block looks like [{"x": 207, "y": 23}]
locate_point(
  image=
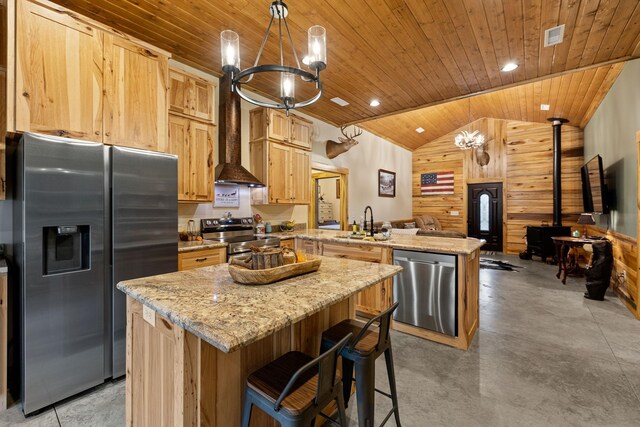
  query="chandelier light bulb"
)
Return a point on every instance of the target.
[{"x": 288, "y": 86}]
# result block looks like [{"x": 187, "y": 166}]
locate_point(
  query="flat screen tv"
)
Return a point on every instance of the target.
[{"x": 594, "y": 192}]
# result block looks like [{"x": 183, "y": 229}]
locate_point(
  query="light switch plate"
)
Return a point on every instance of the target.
[
  {"x": 455, "y": 213},
  {"x": 149, "y": 315}
]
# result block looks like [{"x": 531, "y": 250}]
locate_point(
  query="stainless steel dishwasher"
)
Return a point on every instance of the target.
[{"x": 426, "y": 290}]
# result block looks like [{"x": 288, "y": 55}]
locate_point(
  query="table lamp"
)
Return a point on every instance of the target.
[{"x": 586, "y": 219}]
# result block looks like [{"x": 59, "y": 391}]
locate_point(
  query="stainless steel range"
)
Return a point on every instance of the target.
[{"x": 238, "y": 233}]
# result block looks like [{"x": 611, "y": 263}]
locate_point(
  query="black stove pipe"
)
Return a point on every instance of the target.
[{"x": 557, "y": 169}]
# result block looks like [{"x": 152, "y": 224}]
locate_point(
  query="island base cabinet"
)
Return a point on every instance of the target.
[{"x": 176, "y": 379}]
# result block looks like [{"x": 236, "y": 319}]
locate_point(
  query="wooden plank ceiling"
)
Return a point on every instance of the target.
[
  {"x": 574, "y": 96},
  {"x": 407, "y": 53}
]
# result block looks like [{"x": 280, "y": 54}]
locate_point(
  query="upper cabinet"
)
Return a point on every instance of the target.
[
  {"x": 192, "y": 142},
  {"x": 276, "y": 126},
  {"x": 58, "y": 74},
  {"x": 135, "y": 108},
  {"x": 280, "y": 157},
  {"x": 191, "y": 96},
  {"x": 75, "y": 78}
]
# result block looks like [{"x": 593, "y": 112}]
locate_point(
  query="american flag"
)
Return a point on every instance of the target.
[{"x": 436, "y": 183}]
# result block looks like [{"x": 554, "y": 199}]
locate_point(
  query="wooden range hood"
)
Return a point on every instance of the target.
[{"x": 230, "y": 169}]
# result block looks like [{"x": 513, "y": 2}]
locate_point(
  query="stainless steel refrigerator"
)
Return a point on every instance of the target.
[{"x": 86, "y": 216}]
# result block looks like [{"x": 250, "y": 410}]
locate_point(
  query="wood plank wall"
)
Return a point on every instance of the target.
[{"x": 521, "y": 158}]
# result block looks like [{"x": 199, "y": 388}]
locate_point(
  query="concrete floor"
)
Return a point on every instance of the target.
[{"x": 544, "y": 355}]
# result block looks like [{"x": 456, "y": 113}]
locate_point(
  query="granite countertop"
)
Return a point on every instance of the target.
[
  {"x": 199, "y": 245},
  {"x": 400, "y": 241},
  {"x": 3, "y": 267},
  {"x": 209, "y": 304}
]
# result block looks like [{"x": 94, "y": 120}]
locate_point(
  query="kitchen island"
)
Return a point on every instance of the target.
[
  {"x": 194, "y": 336},
  {"x": 371, "y": 301}
]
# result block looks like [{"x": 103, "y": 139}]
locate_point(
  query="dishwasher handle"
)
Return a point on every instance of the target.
[{"x": 420, "y": 261}]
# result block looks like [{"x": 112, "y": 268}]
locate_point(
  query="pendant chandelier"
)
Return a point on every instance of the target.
[
  {"x": 316, "y": 60},
  {"x": 466, "y": 139}
]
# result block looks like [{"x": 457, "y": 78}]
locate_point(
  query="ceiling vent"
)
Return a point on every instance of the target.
[
  {"x": 553, "y": 36},
  {"x": 341, "y": 102}
]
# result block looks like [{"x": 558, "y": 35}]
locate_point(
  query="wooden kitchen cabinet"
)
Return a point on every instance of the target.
[
  {"x": 135, "y": 107},
  {"x": 373, "y": 300},
  {"x": 301, "y": 132},
  {"x": 70, "y": 76},
  {"x": 58, "y": 75},
  {"x": 191, "y": 96},
  {"x": 192, "y": 142},
  {"x": 284, "y": 170},
  {"x": 276, "y": 126},
  {"x": 201, "y": 258}
]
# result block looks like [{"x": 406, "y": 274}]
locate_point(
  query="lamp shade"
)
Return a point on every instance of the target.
[
  {"x": 230, "y": 50},
  {"x": 587, "y": 219},
  {"x": 317, "y": 47}
]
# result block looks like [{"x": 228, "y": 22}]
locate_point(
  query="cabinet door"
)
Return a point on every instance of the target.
[
  {"x": 178, "y": 92},
  {"x": 202, "y": 95},
  {"x": 179, "y": 145},
  {"x": 301, "y": 177},
  {"x": 278, "y": 125},
  {"x": 58, "y": 75},
  {"x": 300, "y": 132},
  {"x": 201, "y": 164},
  {"x": 136, "y": 96},
  {"x": 279, "y": 173}
]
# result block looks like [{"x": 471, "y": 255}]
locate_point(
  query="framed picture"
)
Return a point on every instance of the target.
[
  {"x": 226, "y": 196},
  {"x": 386, "y": 183}
]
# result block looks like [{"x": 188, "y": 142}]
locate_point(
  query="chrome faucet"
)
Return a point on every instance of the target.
[{"x": 365, "y": 219}]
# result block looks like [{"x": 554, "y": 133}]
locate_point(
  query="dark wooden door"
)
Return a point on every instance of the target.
[{"x": 485, "y": 214}]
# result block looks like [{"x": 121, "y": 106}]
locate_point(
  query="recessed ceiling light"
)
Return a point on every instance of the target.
[
  {"x": 419, "y": 130},
  {"x": 545, "y": 107},
  {"x": 509, "y": 66},
  {"x": 341, "y": 102},
  {"x": 374, "y": 103}
]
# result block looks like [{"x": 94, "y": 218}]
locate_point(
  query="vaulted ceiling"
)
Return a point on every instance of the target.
[
  {"x": 574, "y": 96},
  {"x": 407, "y": 53}
]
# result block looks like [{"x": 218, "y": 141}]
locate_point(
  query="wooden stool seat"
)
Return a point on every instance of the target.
[
  {"x": 366, "y": 345},
  {"x": 270, "y": 381},
  {"x": 295, "y": 388}
]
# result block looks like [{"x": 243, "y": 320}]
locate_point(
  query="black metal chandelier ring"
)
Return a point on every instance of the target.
[{"x": 306, "y": 76}]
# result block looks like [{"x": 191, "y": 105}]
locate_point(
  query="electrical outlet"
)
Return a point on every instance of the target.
[{"x": 455, "y": 213}]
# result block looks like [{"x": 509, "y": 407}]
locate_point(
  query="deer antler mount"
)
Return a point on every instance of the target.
[{"x": 334, "y": 149}]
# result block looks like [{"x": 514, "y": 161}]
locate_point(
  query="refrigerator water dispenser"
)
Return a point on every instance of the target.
[{"x": 66, "y": 249}]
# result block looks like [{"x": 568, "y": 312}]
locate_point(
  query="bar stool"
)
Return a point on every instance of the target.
[
  {"x": 362, "y": 351},
  {"x": 295, "y": 388}
]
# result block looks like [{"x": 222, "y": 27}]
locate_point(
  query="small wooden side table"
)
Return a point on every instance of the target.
[{"x": 568, "y": 265}]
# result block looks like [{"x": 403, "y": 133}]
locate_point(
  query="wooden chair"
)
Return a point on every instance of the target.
[
  {"x": 295, "y": 388},
  {"x": 362, "y": 352}
]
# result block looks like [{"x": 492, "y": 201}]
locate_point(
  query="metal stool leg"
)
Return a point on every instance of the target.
[
  {"x": 365, "y": 392},
  {"x": 388, "y": 357},
  {"x": 347, "y": 380},
  {"x": 246, "y": 411},
  {"x": 342, "y": 415}
]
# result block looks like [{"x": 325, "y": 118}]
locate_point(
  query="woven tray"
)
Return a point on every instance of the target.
[{"x": 245, "y": 276}]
